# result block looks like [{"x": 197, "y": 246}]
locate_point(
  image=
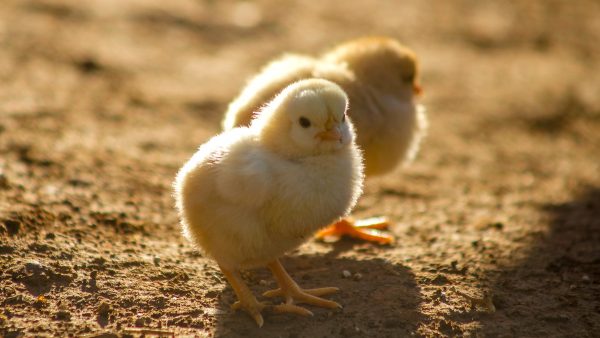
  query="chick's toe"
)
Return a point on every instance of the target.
[
  {"x": 309, "y": 296},
  {"x": 291, "y": 308},
  {"x": 295, "y": 294},
  {"x": 314, "y": 292},
  {"x": 253, "y": 308},
  {"x": 247, "y": 301},
  {"x": 367, "y": 229}
]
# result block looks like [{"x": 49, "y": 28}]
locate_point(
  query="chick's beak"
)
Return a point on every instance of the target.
[
  {"x": 418, "y": 90},
  {"x": 330, "y": 135}
]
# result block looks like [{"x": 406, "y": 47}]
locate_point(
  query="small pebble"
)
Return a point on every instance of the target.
[
  {"x": 585, "y": 278},
  {"x": 346, "y": 274},
  {"x": 103, "y": 309},
  {"x": 62, "y": 315},
  {"x": 4, "y": 182},
  {"x": 12, "y": 226},
  {"x": 357, "y": 276},
  {"x": 33, "y": 266},
  {"x": 142, "y": 321}
]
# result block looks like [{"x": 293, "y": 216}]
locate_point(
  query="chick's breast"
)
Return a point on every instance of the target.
[
  {"x": 390, "y": 130},
  {"x": 311, "y": 193},
  {"x": 244, "y": 205}
]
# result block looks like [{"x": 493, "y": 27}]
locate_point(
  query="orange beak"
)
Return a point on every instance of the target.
[
  {"x": 330, "y": 135},
  {"x": 418, "y": 90}
]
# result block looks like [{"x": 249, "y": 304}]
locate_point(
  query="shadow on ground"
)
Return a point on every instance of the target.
[
  {"x": 559, "y": 281},
  {"x": 395, "y": 295}
]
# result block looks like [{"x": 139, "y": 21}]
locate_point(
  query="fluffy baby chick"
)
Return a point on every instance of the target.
[
  {"x": 252, "y": 193},
  {"x": 380, "y": 77}
]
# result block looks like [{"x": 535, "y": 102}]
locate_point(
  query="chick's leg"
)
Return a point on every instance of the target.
[
  {"x": 293, "y": 293},
  {"x": 246, "y": 300},
  {"x": 367, "y": 229}
]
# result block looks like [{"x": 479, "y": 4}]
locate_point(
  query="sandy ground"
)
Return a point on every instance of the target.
[{"x": 498, "y": 219}]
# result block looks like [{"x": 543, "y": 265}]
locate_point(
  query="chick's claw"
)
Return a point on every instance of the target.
[
  {"x": 254, "y": 309},
  {"x": 246, "y": 300}
]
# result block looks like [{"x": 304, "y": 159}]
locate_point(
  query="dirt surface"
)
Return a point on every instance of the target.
[{"x": 498, "y": 219}]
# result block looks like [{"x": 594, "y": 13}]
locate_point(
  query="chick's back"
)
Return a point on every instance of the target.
[{"x": 273, "y": 78}]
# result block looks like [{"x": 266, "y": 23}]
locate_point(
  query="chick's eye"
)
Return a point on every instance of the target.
[{"x": 304, "y": 122}]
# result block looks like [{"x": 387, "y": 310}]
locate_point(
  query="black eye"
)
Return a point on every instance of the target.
[
  {"x": 410, "y": 78},
  {"x": 304, "y": 122}
]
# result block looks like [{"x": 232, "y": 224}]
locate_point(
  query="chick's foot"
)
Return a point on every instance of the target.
[
  {"x": 253, "y": 308},
  {"x": 294, "y": 294},
  {"x": 367, "y": 229},
  {"x": 246, "y": 300}
]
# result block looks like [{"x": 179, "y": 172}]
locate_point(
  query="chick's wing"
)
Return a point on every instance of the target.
[{"x": 243, "y": 177}]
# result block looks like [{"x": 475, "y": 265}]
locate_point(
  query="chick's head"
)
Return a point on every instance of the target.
[
  {"x": 381, "y": 62},
  {"x": 307, "y": 118}
]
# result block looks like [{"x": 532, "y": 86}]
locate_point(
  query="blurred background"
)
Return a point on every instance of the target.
[{"x": 101, "y": 101}]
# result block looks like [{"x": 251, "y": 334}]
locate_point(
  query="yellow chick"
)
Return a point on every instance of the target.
[
  {"x": 380, "y": 76},
  {"x": 251, "y": 194}
]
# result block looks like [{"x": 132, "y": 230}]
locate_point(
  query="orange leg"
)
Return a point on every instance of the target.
[
  {"x": 367, "y": 229},
  {"x": 246, "y": 300},
  {"x": 293, "y": 293}
]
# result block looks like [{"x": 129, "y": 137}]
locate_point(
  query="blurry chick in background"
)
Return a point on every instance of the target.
[
  {"x": 251, "y": 194},
  {"x": 380, "y": 77}
]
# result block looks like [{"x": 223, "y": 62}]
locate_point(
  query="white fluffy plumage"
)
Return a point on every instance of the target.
[{"x": 252, "y": 193}]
